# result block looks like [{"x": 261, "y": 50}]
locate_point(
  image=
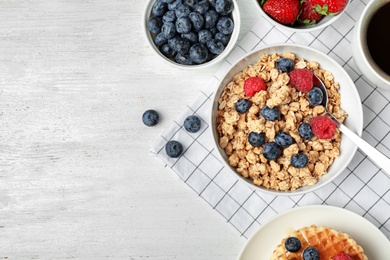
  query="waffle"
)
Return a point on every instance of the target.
[{"x": 327, "y": 241}]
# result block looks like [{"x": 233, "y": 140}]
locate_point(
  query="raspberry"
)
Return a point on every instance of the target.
[
  {"x": 253, "y": 85},
  {"x": 301, "y": 79},
  {"x": 341, "y": 256},
  {"x": 323, "y": 127}
]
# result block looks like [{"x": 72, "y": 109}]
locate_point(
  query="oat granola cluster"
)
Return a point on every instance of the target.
[{"x": 294, "y": 107}]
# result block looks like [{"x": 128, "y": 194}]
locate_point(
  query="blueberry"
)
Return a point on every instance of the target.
[
  {"x": 284, "y": 64},
  {"x": 168, "y": 1},
  {"x": 182, "y": 10},
  {"x": 159, "y": 8},
  {"x": 183, "y": 59},
  {"x": 173, "y": 149},
  {"x": 204, "y": 36},
  {"x": 270, "y": 114},
  {"x": 168, "y": 30},
  {"x": 224, "y": 7},
  {"x": 215, "y": 46},
  {"x": 223, "y": 38},
  {"x": 154, "y": 24},
  {"x": 191, "y": 36},
  {"x": 167, "y": 51},
  {"x": 169, "y": 16},
  {"x": 256, "y": 139},
  {"x": 212, "y": 2},
  {"x": 315, "y": 96},
  {"x": 182, "y": 45},
  {"x": 190, "y": 3},
  {"x": 283, "y": 139},
  {"x": 150, "y": 117},
  {"x": 214, "y": 31},
  {"x": 305, "y": 131},
  {"x": 225, "y": 25},
  {"x": 198, "y": 53},
  {"x": 183, "y": 25},
  {"x": 271, "y": 151},
  {"x": 311, "y": 253},
  {"x": 292, "y": 244},
  {"x": 242, "y": 105},
  {"x": 197, "y": 20},
  {"x": 211, "y": 18},
  {"x": 160, "y": 39},
  {"x": 173, "y": 41},
  {"x": 192, "y": 124},
  {"x": 173, "y": 4},
  {"x": 202, "y": 7},
  {"x": 299, "y": 160}
]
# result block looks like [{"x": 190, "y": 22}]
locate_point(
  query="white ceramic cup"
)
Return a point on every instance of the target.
[{"x": 360, "y": 50}]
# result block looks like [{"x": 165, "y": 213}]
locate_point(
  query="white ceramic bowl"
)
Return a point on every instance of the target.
[
  {"x": 299, "y": 28},
  {"x": 350, "y": 102},
  {"x": 232, "y": 42}
]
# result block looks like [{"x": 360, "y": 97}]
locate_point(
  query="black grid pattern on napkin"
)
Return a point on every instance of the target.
[{"x": 361, "y": 188}]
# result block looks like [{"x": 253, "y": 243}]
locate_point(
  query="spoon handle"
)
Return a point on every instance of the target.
[{"x": 379, "y": 158}]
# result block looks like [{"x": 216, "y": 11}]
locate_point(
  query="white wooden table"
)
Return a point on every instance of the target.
[{"x": 77, "y": 179}]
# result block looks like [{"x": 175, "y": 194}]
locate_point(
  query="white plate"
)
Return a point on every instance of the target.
[{"x": 262, "y": 243}]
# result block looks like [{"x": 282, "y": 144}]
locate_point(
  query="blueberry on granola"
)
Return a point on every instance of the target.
[
  {"x": 270, "y": 114},
  {"x": 150, "y": 117},
  {"x": 292, "y": 244},
  {"x": 173, "y": 149},
  {"x": 192, "y": 124},
  {"x": 304, "y": 130},
  {"x": 311, "y": 253},
  {"x": 243, "y": 105},
  {"x": 271, "y": 151},
  {"x": 284, "y": 64},
  {"x": 256, "y": 139},
  {"x": 299, "y": 160},
  {"x": 315, "y": 96},
  {"x": 283, "y": 139}
]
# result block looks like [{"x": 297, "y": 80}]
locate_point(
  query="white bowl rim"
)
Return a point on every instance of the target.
[
  {"x": 305, "y": 189},
  {"x": 232, "y": 42},
  {"x": 320, "y": 26}
]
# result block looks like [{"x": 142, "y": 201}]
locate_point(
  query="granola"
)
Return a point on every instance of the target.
[{"x": 234, "y": 127}]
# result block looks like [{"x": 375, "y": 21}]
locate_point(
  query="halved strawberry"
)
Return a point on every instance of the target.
[
  {"x": 308, "y": 15},
  {"x": 329, "y": 7},
  {"x": 283, "y": 11}
]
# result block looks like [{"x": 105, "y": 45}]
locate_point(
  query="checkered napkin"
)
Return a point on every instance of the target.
[{"x": 361, "y": 188}]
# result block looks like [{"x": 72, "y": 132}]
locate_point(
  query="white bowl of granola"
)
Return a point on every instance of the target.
[{"x": 231, "y": 127}]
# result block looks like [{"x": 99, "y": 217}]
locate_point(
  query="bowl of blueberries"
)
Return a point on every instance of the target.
[{"x": 192, "y": 33}]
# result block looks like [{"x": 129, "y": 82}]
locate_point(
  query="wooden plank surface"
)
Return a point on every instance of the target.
[{"x": 77, "y": 179}]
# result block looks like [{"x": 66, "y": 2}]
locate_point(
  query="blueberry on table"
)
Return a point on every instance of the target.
[
  {"x": 270, "y": 114},
  {"x": 271, "y": 151},
  {"x": 299, "y": 160},
  {"x": 159, "y": 8},
  {"x": 182, "y": 10},
  {"x": 311, "y": 253},
  {"x": 167, "y": 51},
  {"x": 284, "y": 64},
  {"x": 224, "y": 7},
  {"x": 242, "y": 105},
  {"x": 173, "y": 149},
  {"x": 150, "y": 117},
  {"x": 211, "y": 18},
  {"x": 154, "y": 24},
  {"x": 192, "y": 124},
  {"x": 183, "y": 25},
  {"x": 197, "y": 21},
  {"x": 256, "y": 139},
  {"x": 283, "y": 139},
  {"x": 169, "y": 16},
  {"x": 198, "y": 53},
  {"x": 305, "y": 131},
  {"x": 183, "y": 59},
  {"x": 292, "y": 244},
  {"x": 191, "y": 36},
  {"x": 204, "y": 36},
  {"x": 215, "y": 46},
  {"x": 160, "y": 39},
  {"x": 315, "y": 96},
  {"x": 202, "y": 7},
  {"x": 225, "y": 25},
  {"x": 222, "y": 37}
]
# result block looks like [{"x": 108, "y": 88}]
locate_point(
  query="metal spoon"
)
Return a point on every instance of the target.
[{"x": 380, "y": 159}]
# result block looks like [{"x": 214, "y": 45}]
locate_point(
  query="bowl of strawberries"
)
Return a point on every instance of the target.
[{"x": 302, "y": 15}]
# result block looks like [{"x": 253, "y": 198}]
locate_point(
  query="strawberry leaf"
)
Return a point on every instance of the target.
[
  {"x": 323, "y": 10},
  {"x": 262, "y": 2},
  {"x": 308, "y": 22}
]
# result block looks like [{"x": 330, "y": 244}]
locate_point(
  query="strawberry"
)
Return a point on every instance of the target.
[
  {"x": 283, "y": 11},
  {"x": 308, "y": 15},
  {"x": 342, "y": 256},
  {"x": 253, "y": 85},
  {"x": 328, "y": 7},
  {"x": 301, "y": 79}
]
